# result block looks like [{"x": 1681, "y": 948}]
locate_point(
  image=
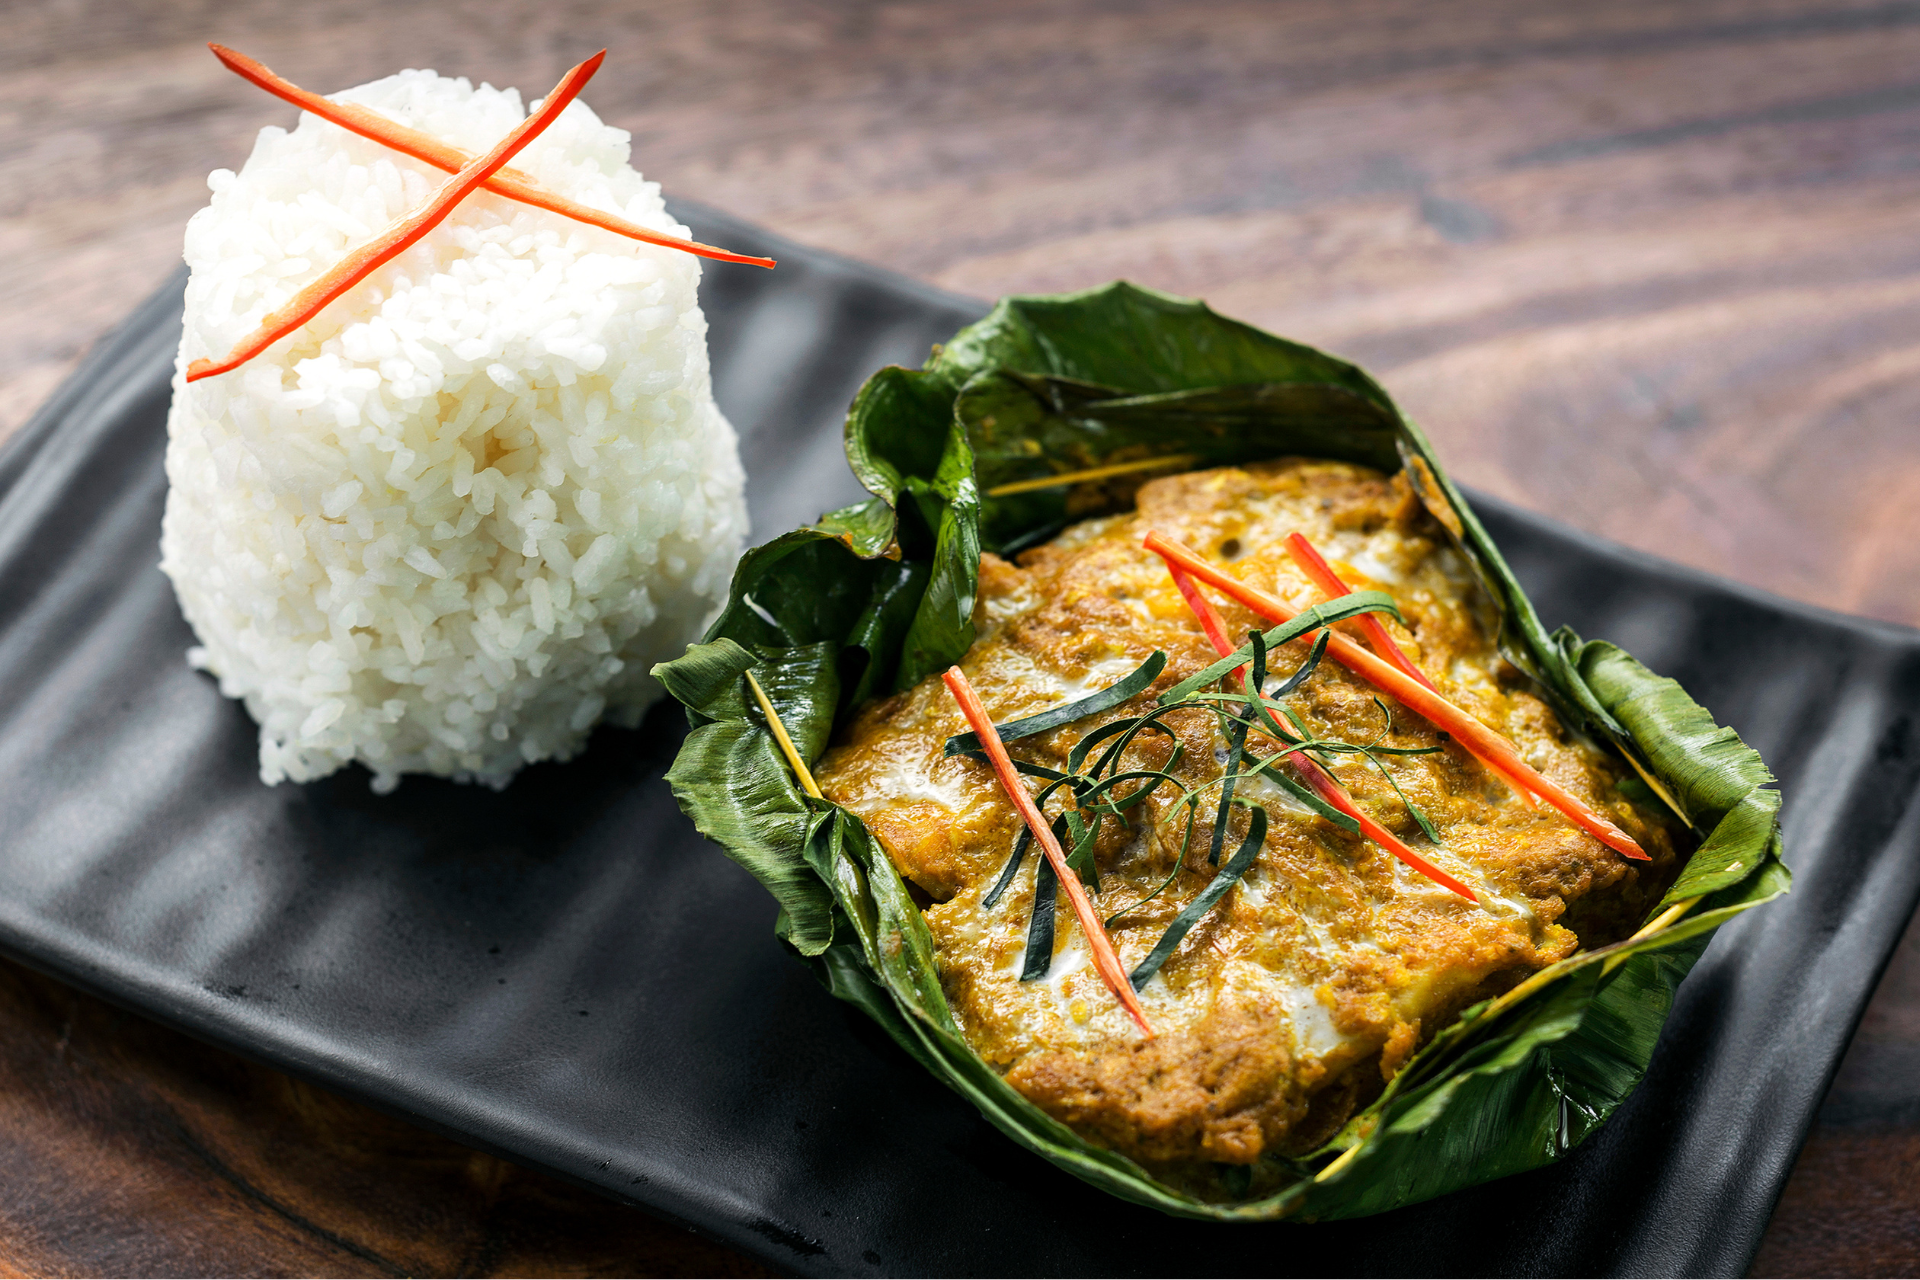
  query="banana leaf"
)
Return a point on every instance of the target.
[{"x": 878, "y": 596}]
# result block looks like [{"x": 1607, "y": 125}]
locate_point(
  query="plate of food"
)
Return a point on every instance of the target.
[{"x": 1214, "y": 853}]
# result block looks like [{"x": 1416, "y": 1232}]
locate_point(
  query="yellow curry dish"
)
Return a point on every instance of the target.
[
  {"x": 1320, "y": 970},
  {"x": 1167, "y": 759}
]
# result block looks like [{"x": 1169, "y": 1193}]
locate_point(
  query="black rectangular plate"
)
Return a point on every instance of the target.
[{"x": 565, "y": 973}]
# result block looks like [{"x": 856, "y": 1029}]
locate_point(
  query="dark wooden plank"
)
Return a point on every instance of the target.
[
  {"x": 133, "y": 1150},
  {"x": 1644, "y": 266},
  {"x": 1648, "y": 268},
  {"x": 1852, "y": 1207}
]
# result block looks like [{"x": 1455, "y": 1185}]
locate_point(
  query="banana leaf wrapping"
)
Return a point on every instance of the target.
[{"x": 876, "y": 597}]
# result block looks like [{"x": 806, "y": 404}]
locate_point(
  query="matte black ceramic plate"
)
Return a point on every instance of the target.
[{"x": 567, "y": 974}]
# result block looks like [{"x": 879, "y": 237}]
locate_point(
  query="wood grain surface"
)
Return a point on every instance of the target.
[
  {"x": 1651, "y": 269},
  {"x": 131, "y": 1150}
]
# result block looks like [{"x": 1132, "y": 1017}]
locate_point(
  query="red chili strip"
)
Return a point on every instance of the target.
[
  {"x": 1310, "y": 562},
  {"x": 510, "y": 183},
  {"x": 1315, "y": 566},
  {"x": 1328, "y": 788},
  {"x": 396, "y": 239},
  {"x": 1210, "y": 619},
  {"x": 1494, "y": 751},
  {"x": 1104, "y": 957},
  {"x": 1324, "y": 784}
]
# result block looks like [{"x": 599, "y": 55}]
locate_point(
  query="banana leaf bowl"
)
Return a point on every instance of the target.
[{"x": 875, "y": 597}]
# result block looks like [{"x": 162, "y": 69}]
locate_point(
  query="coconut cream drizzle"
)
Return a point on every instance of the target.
[
  {"x": 1314, "y": 1032},
  {"x": 909, "y": 777}
]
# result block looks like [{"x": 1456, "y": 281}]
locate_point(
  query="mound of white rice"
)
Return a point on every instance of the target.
[{"x": 451, "y": 523}]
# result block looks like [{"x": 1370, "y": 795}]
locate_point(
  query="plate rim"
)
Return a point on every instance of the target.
[{"x": 92, "y": 969}]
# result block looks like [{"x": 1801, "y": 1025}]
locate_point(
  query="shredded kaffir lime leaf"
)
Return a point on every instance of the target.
[{"x": 1096, "y": 788}]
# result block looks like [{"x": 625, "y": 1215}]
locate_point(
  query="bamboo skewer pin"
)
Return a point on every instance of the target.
[
  {"x": 801, "y": 773},
  {"x": 1500, "y": 1004},
  {"x": 1107, "y": 472}
]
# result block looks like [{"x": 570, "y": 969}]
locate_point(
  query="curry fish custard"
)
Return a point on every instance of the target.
[{"x": 1325, "y": 966}]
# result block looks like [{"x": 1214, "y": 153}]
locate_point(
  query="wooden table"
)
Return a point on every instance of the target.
[{"x": 1651, "y": 269}]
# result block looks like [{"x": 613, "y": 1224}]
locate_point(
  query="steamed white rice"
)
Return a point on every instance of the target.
[{"x": 450, "y": 524}]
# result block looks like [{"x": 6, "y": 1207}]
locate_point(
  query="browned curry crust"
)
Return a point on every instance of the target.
[{"x": 1316, "y": 977}]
